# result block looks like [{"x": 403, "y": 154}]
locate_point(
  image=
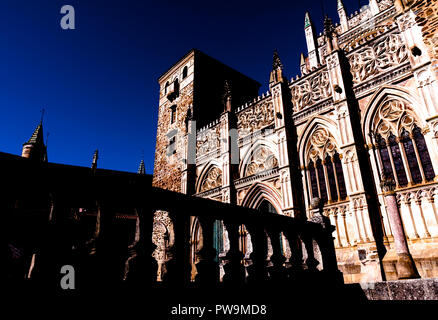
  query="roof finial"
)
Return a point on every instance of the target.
[
  {"x": 307, "y": 21},
  {"x": 276, "y": 62},
  {"x": 95, "y": 157},
  {"x": 42, "y": 114},
  {"x": 227, "y": 96},
  {"x": 141, "y": 169}
]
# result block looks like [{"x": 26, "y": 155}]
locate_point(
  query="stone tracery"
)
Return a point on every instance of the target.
[
  {"x": 311, "y": 90},
  {"x": 212, "y": 179},
  {"x": 261, "y": 159},
  {"x": 399, "y": 140},
  {"x": 371, "y": 60}
]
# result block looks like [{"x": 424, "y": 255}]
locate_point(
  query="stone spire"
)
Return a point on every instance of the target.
[
  {"x": 342, "y": 16},
  {"x": 141, "y": 169},
  {"x": 330, "y": 34},
  {"x": 303, "y": 65},
  {"x": 277, "y": 70},
  {"x": 227, "y": 96},
  {"x": 307, "y": 22},
  {"x": 94, "y": 162},
  {"x": 276, "y": 62},
  {"x": 312, "y": 48},
  {"x": 34, "y": 148}
]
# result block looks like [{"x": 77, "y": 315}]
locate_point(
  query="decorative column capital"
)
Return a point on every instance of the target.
[{"x": 387, "y": 184}]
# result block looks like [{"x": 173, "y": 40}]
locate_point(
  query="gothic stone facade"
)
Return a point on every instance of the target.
[{"x": 365, "y": 103}]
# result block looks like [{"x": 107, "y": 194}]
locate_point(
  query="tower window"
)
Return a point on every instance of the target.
[
  {"x": 166, "y": 87},
  {"x": 184, "y": 73},
  {"x": 173, "y": 114}
]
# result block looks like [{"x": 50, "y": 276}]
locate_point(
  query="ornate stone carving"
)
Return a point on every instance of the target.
[
  {"x": 311, "y": 90},
  {"x": 406, "y": 21},
  {"x": 255, "y": 118},
  {"x": 392, "y": 117},
  {"x": 208, "y": 141},
  {"x": 371, "y": 60},
  {"x": 262, "y": 159},
  {"x": 385, "y": 4},
  {"x": 321, "y": 143},
  {"x": 212, "y": 179},
  {"x": 162, "y": 235}
]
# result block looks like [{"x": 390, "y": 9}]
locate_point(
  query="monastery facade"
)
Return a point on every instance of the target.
[{"x": 364, "y": 111}]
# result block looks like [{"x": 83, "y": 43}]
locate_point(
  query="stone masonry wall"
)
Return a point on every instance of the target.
[{"x": 427, "y": 18}]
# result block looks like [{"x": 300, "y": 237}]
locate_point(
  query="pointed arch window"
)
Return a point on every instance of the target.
[
  {"x": 325, "y": 177},
  {"x": 405, "y": 157},
  {"x": 397, "y": 159},
  {"x": 423, "y": 154}
]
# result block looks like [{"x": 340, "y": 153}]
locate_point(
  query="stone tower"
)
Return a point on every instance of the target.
[{"x": 191, "y": 96}]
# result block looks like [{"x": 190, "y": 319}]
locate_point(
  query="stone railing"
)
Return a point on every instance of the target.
[{"x": 65, "y": 192}]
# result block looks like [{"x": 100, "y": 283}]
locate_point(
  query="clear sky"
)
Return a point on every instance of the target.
[{"x": 98, "y": 83}]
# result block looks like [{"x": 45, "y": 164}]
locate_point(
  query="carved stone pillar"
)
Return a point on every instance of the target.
[
  {"x": 207, "y": 267},
  {"x": 257, "y": 272},
  {"x": 179, "y": 268},
  {"x": 234, "y": 270},
  {"x": 141, "y": 267},
  {"x": 405, "y": 265},
  {"x": 277, "y": 270}
]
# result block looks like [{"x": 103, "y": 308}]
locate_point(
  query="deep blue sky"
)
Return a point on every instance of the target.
[{"x": 98, "y": 83}]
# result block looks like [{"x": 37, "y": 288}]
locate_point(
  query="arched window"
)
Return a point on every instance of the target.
[
  {"x": 173, "y": 114},
  {"x": 184, "y": 73},
  {"x": 166, "y": 87},
  {"x": 404, "y": 156},
  {"x": 266, "y": 206},
  {"x": 326, "y": 178}
]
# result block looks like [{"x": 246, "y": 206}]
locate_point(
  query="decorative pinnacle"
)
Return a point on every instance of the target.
[
  {"x": 276, "y": 62},
  {"x": 307, "y": 22},
  {"x": 302, "y": 59},
  {"x": 227, "y": 91},
  {"x": 141, "y": 169},
  {"x": 95, "y": 157},
  {"x": 340, "y": 5},
  {"x": 328, "y": 26}
]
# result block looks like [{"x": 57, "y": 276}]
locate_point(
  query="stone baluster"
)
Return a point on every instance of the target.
[
  {"x": 277, "y": 270},
  {"x": 257, "y": 271},
  {"x": 207, "y": 267},
  {"x": 141, "y": 267},
  {"x": 296, "y": 259},
  {"x": 325, "y": 242},
  {"x": 405, "y": 264},
  {"x": 234, "y": 270},
  {"x": 179, "y": 267}
]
